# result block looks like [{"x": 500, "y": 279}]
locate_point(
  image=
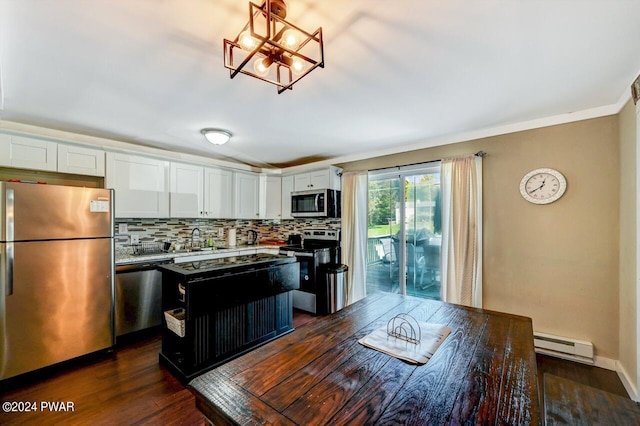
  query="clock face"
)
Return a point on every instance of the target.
[{"x": 543, "y": 186}]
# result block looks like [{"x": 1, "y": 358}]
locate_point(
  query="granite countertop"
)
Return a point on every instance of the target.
[
  {"x": 225, "y": 264},
  {"x": 124, "y": 257}
]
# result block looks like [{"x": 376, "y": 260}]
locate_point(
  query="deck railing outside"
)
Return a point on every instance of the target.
[
  {"x": 382, "y": 270},
  {"x": 375, "y": 249}
]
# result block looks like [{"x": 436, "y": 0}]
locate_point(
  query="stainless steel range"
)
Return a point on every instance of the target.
[{"x": 319, "y": 248}]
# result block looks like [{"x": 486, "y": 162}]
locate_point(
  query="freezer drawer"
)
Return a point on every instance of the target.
[{"x": 59, "y": 306}]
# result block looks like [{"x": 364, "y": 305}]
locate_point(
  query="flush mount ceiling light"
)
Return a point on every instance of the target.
[
  {"x": 272, "y": 49},
  {"x": 216, "y": 136}
]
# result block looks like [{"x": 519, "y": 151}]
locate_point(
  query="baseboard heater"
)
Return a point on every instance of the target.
[{"x": 563, "y": 347}]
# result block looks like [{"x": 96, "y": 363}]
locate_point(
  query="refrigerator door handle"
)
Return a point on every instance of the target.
[
  {"x": 9, "y": 232},
  {"x": 8, "y": 269}
]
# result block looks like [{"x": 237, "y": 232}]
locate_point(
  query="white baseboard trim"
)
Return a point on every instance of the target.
[
  {"x": 606, "y": 363},
  {"x": 627, "y": 382},
  {"x": 598, "y": 361}
]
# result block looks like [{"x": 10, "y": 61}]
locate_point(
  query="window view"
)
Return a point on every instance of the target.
[{"x": 404, "y": 233}]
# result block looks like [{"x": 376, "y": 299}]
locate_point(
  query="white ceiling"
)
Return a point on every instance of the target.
[{"x": 397, "y": 73}]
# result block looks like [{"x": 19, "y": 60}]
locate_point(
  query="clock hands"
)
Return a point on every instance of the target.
[
  {"x": 538, "y": 188},
  {"x": 543, "y": 186}
]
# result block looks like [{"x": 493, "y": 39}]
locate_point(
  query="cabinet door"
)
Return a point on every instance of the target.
[
  {"x": 218, "y": 191},
  {"x": 28, "y": 153},
  {"x": 319, "y": 179},
  {"x": 273, "y": 197},
  {"x": 301, "y": 182},
  {"x": 287, "y": 189},
  {"x": 140, "y": 184},
  {"x": 246, "y": 195},
  {"x": 186, "y": 190},
  {"x": 80, "y": 160}
]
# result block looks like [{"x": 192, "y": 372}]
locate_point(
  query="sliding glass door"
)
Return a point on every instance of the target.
[
  {"x": 385, "y": 197},
  {"x": 404, "y": 235}
]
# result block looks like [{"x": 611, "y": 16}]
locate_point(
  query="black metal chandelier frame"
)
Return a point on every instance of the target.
[{"x": 269, "y": 46}]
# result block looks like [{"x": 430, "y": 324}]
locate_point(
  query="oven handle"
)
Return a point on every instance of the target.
[
  {"x": 299, "y": 254},
  {"x": 317, "y": 202}
]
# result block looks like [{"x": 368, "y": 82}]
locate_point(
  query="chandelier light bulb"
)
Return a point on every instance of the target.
[
  {"x": 261, "y": 67},
  {"x": 297, "y": 66},
  {"x": 290, "y": 39},
  {"x": 246, "y": 41},
  {"x": 272, "y": 49}
]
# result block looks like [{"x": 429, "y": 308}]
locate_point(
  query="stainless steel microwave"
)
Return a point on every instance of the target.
[{"x": 315, "y": 203}]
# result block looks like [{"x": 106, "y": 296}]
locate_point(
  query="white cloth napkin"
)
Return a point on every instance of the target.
[{"x": 431, "y": 337}]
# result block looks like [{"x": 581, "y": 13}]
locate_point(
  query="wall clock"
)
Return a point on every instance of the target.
[{"x": 543, "y": 186}]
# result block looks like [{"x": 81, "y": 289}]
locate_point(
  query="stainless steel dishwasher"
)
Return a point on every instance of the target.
[{"x": 138, "y": 296}]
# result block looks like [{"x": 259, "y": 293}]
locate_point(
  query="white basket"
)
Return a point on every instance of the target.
[{"x": 175, "y": 320}]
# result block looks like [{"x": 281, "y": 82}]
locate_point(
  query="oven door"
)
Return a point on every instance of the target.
[{"x": 307, "y": 272}]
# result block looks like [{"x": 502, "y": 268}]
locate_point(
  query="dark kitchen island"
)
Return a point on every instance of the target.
[{"x": 217, "y": 309}]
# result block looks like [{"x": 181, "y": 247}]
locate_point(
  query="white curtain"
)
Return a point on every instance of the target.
[
  {"x": 354, "y": 233},
  {"x": 461, "y": 273}
]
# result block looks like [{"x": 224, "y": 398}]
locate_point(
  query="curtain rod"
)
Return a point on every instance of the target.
[{"x": 480, "y": 154}]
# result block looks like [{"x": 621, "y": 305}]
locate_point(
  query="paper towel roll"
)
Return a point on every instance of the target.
[{"x": 231, "y": 238}]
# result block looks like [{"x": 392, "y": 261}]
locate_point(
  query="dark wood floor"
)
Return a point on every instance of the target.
[
  {"x": 129, "y": 387},
  {"x": 595, "y": 377}
]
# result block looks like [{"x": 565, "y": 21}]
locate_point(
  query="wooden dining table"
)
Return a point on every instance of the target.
[{"x": 483, "y": 373}]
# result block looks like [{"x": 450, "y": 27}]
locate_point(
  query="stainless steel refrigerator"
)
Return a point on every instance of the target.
[{"x": 56, "y": 274}]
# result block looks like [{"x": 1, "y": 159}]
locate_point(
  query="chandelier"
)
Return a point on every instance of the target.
[{"x": 273, "y": 49}]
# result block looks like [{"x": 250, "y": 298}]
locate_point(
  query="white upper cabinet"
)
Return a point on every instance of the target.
[
  {"x": 141, "y": 185},
  {"x": 246, "y": 191},
  {"x": 327, "y": 178},
  {"x": 32, "y": 153},
  {"x": 186, "y": 190},
  {"x": 28, "y": 153},
  {"x": 302, "y": 182},
  {"x": 218, "y": 193},
  {"x": 80, "y": 160},
  {"x": 287, "y": 189},
  {"x": 271, "y": 197}
]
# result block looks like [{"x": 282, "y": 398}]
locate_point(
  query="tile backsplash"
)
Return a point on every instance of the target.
[{"x": 179, "y": 230}]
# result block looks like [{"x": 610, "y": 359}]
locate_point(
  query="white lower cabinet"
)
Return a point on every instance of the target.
[
  {"x": 28, "y": 153},
  {"x": 141, "y": 185}
]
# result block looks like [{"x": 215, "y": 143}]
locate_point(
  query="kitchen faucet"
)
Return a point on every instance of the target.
[{"x": 193, "y": 232}]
